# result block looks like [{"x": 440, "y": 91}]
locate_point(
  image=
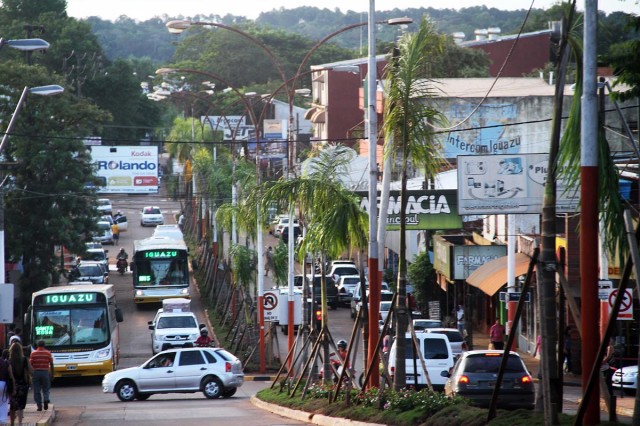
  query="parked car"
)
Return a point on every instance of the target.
[
  {"x": 274, "y": 223},
  {"x": 104, "y": 206},
  {"x": 89, "y": 272},
  {"x": 173, "y": 330},
  {"x": 346, "y": 287},
  {"x": 151, "y": 215},
  {"x": 474, "y": 377},
  {"x": 103, "y": 235},
  {"x": 421, "y": 324},
  {"x": 626, "y": 378},
  {"x": 332, "y": 290},
  {"x": 297, "y": 233},
  {"x": 340, "y": 268},
  {"x": 438, "y": 358},
  {"x": 356, "y": 300},
  {"x": 283, "y": 223},
  {"x": 97, "y": 255},
  {"x": 212, "y": 371},
  {"x": 458, "y": 343}
]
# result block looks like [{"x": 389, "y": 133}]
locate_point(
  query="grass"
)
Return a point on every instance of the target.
[{"x": 404, "y": 408}]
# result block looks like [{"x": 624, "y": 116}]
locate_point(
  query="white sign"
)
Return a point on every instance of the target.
[
  {"x": 271, "y": 299},
  {"x": 626, "y": 307},
  {"x": 126, "y": 169},
  {"x": 604, "y": 289},
  {"x": 6, "y": 303},
  {"x": 507, "y": 184},
  {"x": 224, "y": 122}
]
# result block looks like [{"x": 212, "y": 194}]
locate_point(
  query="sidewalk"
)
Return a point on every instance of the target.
[{"x": 41, "y": 418}]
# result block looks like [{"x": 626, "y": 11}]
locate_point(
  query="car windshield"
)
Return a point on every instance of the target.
[
  {"x": 176, "y": 322},
  {"x": 104, "y": 226},
  {"x": 491, "y": 364},
  {"x": 95, "y": 256},
  {"x": 421, "y": 325},
  {"x": 351, "y": 280},
  {"x": 151, "y": 210},
  {"x": 104, "y": 202}
]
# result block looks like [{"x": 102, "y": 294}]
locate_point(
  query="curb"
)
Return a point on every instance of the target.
[
  {"x": 303, "y": 416},
  {"x": 259, "y": 378}
]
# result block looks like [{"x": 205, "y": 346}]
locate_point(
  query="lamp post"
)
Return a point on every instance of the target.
[
  {"x": 40, "y": 90},
  {"x": 178, "y": 26},
  {"x": 25, "y": 44}
]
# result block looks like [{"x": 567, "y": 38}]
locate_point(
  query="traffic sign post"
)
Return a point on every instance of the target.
[{"x": 626, "y": 307}]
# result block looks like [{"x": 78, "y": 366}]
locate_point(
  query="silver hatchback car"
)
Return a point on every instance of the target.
[{"x": 212, "y": 371}]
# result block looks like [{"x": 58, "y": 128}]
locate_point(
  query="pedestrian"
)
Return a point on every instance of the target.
[
  {"x": 496, "y": 335},
  {"x": 115, "y": 230},
  {"x": 568, "y": 344},
  {"x": 460, "y": 319},
  {"x": 268, "y": 264},
  {"x": 181, "y": 221},
  {"x": 606, "y": 367},
  {"x": 6, "y": 385},
  {"x": 17, "y": 336},
  {"x": 42, "y": 364},
  {"x": 21, "y": 370}
]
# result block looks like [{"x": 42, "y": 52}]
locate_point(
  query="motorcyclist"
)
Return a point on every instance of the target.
[
  {"x": 204, "y": 339},
  {"x": 122, "y": 254},
  {"x": 118, "y": 214}
]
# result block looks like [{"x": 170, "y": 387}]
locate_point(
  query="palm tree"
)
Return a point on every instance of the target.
[
  {"x": 408, "y": 117},
  {"x": 336, "y": 221}
]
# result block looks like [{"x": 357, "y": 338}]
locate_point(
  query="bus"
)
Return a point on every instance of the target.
[
  {"x": 160, "y": 269},
  {"x": 79, "y": 325}
]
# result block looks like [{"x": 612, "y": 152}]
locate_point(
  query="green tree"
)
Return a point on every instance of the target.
[
  {"x": 46, "y": 200},
  {"x": 421, "y": 274},
  {"x": 336, "y": 221},
  {"x": 624, "y": 57},
  {"x": 408, "y": 113}
]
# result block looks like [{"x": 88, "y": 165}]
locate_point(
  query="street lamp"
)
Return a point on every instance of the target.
[
  {"x": 25, "y": 44},
  {"x": 40, "y": 90}
]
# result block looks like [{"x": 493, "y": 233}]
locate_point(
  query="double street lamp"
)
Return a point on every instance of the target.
[{"x": 178, "y": 26}]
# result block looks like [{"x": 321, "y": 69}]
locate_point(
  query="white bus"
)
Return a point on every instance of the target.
[
  {"x": 160, "y": 269},
  {"x": 79, "y": 325}
]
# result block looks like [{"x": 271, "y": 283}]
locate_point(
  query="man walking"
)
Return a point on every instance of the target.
[
  {"x": 268, "y": 261},
  {"x": 42, "y": 363},
  {"x": 115, "y": 230}
]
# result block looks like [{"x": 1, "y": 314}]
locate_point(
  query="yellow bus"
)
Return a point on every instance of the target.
[{"x": 79, "y": 325}]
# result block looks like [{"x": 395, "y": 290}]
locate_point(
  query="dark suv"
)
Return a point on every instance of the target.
[{"x": 332, "y": 290}]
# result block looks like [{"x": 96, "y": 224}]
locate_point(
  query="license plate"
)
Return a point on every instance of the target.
[{"x": 72, "y": 367}]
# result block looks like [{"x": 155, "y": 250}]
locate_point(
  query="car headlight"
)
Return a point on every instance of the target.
[
  {"x": 103, "y": 353},
  {"x": 139, "y": 293},
  {"x": 193, "y": 336},
  {"x": 184, "y": 291}
]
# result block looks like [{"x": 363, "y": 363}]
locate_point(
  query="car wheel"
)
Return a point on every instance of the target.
[
  {"x": 212, "y": 388},
  {"x": 126, "y": 391},
  {"x": 143, "y": 396},
  {"x": 228, "y": 393}
]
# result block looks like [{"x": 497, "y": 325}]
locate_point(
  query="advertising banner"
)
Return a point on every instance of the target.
[
  {"x": 426, "y": 209},
  {"x": 126, "y": 169},
  {"x": 275, "y": 129},
  {"x": 224, "y": 122},
  {"x": 509, "y": 184}
]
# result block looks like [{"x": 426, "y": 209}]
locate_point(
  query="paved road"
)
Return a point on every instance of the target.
[{"x": 82, "y": 402}]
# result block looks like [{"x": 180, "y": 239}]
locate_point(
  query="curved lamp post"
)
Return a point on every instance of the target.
[{"x": 177, "y": 27}]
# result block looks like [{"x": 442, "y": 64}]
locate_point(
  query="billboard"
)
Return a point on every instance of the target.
[
  {"x": 509, "y": 184},
  {"x": 224, "y": 122},
  {"x": 126, "y": 169},
  {"x": 426, "y": 209}
]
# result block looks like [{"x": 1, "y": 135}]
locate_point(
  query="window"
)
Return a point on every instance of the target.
[
  {"x": 191, "y": 358},
  {"x": 211, "y": 359}
]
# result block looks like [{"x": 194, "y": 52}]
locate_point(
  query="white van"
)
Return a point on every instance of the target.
[{"x": 438, "y": 357}]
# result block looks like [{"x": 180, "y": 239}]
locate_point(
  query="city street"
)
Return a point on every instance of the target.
[{"x": 82, "y": 402}]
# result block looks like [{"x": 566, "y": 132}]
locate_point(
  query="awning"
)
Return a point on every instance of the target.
[
  {"x": 320, "y": 116},
  {"x": 310, "y": 112},
  {"x": 493, "y": 275}
]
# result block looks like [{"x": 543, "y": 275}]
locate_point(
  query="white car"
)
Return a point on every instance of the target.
[
  {"x": 456, "y": 339},
  {"x": 212, "y": 371},
  {"x": 151, "y": 215},
  {"x": 104, "y": 234},
  {"x": 626, "y": 378},
  {"x": 104, "y": 206},
  {"x": 284, "y": 222},
  {"x": 173, "y": 329},
  {"x": 171, "y": 231},
  {"x": 346, "y": 287},
  {"x": 97, "y": 255}
]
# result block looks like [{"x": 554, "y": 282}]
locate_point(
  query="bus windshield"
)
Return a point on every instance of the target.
[
  {"x": 161, "y": 272},
  {"x": 71, "y": 326}
]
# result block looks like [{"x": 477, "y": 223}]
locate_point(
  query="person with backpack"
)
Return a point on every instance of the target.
[
  {"x": 6, "y": 387},
  {"x": 21, "y": 371}
]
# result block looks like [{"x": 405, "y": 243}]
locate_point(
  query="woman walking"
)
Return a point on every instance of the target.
[
  {"x": 6, "y": 382},
  {"x": 21, "y": 370}
]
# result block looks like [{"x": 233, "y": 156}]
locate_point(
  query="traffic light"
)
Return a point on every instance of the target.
[{"x": 318, "y": 317}]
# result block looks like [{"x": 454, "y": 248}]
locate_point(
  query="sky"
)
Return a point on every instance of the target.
[{"x": 141, "y": 10}]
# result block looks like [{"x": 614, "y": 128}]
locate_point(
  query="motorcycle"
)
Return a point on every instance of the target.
[{"x": 121, "y": 265}]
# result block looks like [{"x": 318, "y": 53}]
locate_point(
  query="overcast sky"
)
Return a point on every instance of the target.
[{"x": 145, "y": 9}]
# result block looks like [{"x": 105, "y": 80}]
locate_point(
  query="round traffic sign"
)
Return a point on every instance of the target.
[
  {"x": 626, "y": 303},
  {"x": 270, "y": 301}
]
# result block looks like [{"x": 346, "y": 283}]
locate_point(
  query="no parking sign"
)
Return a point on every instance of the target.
[{"x": 626, "y": 307}]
